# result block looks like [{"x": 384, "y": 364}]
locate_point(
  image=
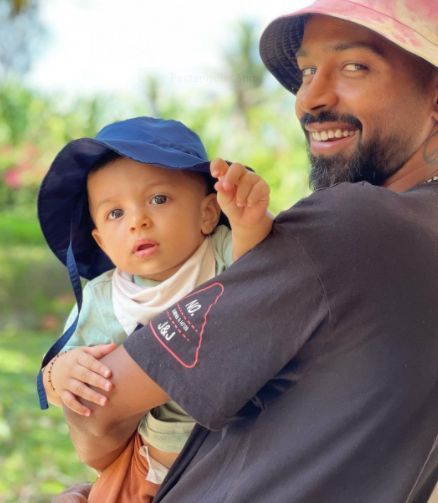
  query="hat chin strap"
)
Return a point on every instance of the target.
[{"x": 62, "y": 341}]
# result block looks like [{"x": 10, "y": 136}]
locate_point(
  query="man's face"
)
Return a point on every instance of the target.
[{"x": 365, "y": 105}]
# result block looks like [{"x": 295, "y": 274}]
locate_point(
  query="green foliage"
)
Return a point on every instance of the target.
[
  {"x": 244, "y": 72},
  {"x": 36, "y": 455},
  {"x": 34, "y": 290},
  {"x": 33, "y": 128},
  {"x": 23, "y": 230}
]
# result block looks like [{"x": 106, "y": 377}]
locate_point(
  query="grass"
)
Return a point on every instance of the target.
[{"x": 36, "y": 457}]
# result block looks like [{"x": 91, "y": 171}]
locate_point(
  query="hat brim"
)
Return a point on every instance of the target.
[
  {"x": 282, "y": 37},
  {"x": 62, "y": 197}
]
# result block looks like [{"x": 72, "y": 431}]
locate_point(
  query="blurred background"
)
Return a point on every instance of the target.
[{"x": 67, "y": 68}]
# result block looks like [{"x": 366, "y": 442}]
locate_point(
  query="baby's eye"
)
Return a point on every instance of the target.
[
  {"x": 308, "y": 71},
  {"x": 354, "y": 67},
  {"x": 115, "y": 214},
  {"x": 159, "y": 199}
]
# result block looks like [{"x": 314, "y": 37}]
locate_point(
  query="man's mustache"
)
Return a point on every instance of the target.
[{"x": 329, "y": 117}]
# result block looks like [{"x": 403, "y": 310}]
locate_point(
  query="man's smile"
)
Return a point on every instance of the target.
[
  {"x": 330, "y": 139},
  {"x": 331, "y": 134}
]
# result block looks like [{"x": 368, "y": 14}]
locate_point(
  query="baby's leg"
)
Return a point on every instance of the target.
[
  {"x": 125, "y": 480},
  {"x": 75, "y": 494}
]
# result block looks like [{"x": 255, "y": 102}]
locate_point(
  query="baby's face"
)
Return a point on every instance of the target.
[{"x": 149, "y": 220}]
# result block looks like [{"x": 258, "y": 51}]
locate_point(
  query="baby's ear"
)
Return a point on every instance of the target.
[
  {"x": 98, "y": 239},
  {"x": 210, "y": 212}
]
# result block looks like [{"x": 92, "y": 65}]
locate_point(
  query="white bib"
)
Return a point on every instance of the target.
[{"x": 134, "y": 304}]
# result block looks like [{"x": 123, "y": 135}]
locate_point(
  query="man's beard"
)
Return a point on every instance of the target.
[{"x": 373, "y": 161}]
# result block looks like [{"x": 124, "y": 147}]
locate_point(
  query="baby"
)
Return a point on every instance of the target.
[{"x": 137, "y": 209}]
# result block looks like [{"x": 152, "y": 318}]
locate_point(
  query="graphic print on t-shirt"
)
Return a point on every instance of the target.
[{"x": 180, "y": 329}]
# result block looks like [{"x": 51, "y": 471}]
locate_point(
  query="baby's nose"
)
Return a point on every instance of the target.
[{"x": 140, "y": 220}]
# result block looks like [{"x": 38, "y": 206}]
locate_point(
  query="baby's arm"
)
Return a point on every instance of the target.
[
  {"x": 244, "y": 197},
  {"x": 69, "y": 375}
]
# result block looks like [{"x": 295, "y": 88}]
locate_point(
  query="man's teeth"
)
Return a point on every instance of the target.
[{"x": 330, "y": 133}]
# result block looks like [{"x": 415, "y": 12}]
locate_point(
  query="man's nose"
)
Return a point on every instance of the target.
[{"x": 316, "y": 95}]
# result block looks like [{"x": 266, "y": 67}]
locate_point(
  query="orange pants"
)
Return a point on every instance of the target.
[{"x": 123, "y": 481}]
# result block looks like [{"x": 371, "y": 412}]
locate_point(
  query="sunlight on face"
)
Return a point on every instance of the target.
[
  {"x": 149, "y": 220},
  {"x": 361, "y": 103}
]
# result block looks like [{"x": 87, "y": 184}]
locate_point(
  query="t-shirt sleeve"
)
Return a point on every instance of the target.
[{"x": 216, "y": 348}]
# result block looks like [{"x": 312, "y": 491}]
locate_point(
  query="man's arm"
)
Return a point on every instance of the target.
[{"x": 101, "y": 437}]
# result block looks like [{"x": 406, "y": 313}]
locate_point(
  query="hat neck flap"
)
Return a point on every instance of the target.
[{"x": 75, "y": 280}]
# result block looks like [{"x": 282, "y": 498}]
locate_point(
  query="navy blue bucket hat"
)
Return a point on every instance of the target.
[{"x": 62, "y": 200}]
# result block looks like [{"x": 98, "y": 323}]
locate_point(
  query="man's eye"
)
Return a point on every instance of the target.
[
  {"x": 354, "y": 67},
  {"x": 115, "y": 214},
  {"x": 159, "y": 199}
]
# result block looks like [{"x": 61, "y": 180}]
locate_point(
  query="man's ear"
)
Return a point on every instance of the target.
[
  {"x": 210, "y": 214},
  {"x": 98, "y": 239},
  {"x": 435, "y": 109}
]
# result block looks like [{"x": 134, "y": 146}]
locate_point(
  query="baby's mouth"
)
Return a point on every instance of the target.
[{"x": 142, "y": 246}]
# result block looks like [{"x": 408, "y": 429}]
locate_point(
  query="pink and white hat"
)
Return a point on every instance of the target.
[{"x": 410, "y": 24}]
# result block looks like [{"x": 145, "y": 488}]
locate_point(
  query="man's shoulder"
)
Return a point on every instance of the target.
[
  {"x": 355, "y": 222},
  {"x": 344, "y": 195},
  {"x": 345, "y": 207}
]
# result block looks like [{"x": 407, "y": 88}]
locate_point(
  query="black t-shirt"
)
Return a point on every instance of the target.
[{"x": 312, "y": 362}]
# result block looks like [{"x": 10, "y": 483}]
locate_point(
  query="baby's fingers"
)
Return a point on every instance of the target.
[
  {"x": 90, "y": 378},
  {"x": 89, "y": 371},
  {"x": 81, "y": 390},
  {"x": 74, "y": 404},
  {"x": 218, "y": 167},
  {"x": 101, "y": 350},
  {"x": 89, "y": 359},
  {"x": 234, "y": 175},
  {"x": 258, "y": 193},
  {"x": 251, "y": 190}
]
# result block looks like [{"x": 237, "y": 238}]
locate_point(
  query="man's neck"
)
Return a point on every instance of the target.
[{"x": 420, "y": 168}]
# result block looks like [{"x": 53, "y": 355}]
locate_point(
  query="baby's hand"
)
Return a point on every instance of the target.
[
  {"x": 242, "y": 195},
  {"x": 74, "y": 371}
]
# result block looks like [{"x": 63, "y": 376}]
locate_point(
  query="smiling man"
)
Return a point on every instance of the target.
[
  {"x": 353, "y": 81},
  {"x": 311, "y": 364}
]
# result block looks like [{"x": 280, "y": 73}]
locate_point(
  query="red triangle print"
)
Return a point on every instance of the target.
[{"x": 180, "y": 329}]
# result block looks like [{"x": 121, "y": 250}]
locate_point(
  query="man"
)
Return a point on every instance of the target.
[{"x": 311, "y": 364}]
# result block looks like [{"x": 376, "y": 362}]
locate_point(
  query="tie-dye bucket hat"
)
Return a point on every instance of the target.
[{"x": 410, "y": 24}]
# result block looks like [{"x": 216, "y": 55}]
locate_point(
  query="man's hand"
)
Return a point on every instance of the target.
[{"x": 74, "y": 372}]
